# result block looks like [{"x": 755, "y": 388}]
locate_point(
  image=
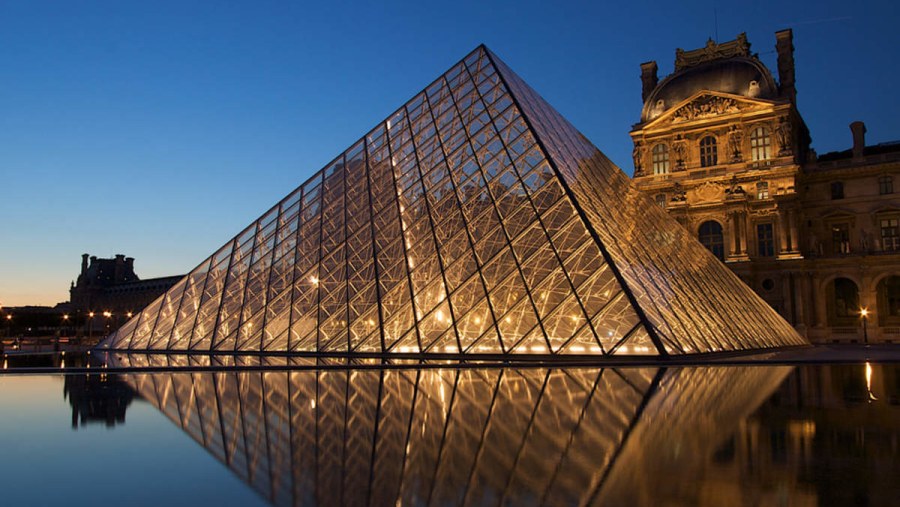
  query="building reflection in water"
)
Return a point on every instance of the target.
[
  {"x": 99, "y": 398},
  {"x": 468, "y": 436}
]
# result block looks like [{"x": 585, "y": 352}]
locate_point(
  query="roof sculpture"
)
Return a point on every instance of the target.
[{"x": 475, "y": 220}]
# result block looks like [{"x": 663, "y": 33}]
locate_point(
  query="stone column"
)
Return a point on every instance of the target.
[
  {"x": 801, "y": 282},
  {"x": 792, "y": 224},
  {"x": 787, "y": 292},
  {"x": 732, "y": 235},
  {"x": 818, "y": 301},
  {"x": 745, "y": 227}
]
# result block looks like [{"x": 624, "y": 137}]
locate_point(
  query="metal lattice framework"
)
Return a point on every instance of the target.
[
  {"x": 508, "y": 436},
  {"x": 474, "y": 220}
]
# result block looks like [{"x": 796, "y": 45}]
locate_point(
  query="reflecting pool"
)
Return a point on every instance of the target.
[{"x": 724, "y": 435}]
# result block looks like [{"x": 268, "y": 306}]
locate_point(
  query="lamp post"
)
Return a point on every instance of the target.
[
  {"x": 8, "y": 324},
  {"x": 90, "y": 326},
  {"x": 107, "y": 314},
  {"x": 864, "y": 315}
]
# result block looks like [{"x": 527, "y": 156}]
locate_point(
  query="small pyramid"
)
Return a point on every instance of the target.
[{"x": 475, "y": 220}]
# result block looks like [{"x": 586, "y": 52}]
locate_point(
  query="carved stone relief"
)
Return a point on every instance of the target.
[
  {"x": 705, "y": 107},
  {"x": 735, "y": 139},
  {"x": 785, "y": 135},
  {"x": 708, "y": 192},
  {"x": 680, "y": 150}
]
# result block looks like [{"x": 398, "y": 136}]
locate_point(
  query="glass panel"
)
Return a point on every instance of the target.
[{"x": 454, "y": 194}]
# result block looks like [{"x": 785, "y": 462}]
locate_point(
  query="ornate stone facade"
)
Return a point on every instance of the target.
[{"x": 721, "y": 145}]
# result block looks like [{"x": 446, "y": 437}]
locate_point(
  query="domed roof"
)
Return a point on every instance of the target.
[{"x": 744, "y": 76}]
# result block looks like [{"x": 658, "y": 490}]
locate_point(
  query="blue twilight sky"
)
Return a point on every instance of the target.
[{"x": 160, "y": 129}]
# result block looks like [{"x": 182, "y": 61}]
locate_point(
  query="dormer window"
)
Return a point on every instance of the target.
[
  {"x": 708, "y": 154},
  {"x": 760, "y": 144},
  {"x": 660, "y": 159}
]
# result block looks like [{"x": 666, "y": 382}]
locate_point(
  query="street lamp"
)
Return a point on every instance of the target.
[
  {"x": 864, "y": 315},
  {"x": 91, "y": 326},
  {"x": 107, "y": 314}
]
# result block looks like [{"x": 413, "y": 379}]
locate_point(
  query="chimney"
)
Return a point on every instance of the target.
[
  {"x": 859, "y": 138},
  {"x": 120, "y": 269},
  {"x": 784, "y": 45},
  {"x": 84, "y": 263},
  {"x": 648, "y": 79}
]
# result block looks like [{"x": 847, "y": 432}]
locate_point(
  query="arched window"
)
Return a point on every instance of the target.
[
  {"x": 846, "y": 298},
  {"x": 885, "y": 185},
  {"x": 708, "y": 154},
  {"x": 760, "y": 144},
  {"x": 710, "y": 235},
  {"x": 660, "y": 159}
]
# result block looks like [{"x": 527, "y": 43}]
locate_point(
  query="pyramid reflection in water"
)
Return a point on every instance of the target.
[
  {"x": 474, "y": 220},
  {"x": 630, "y": 436}
]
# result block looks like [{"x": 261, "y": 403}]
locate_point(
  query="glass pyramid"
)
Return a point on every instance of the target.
[
  {"x": 474, "y": 220},
  {"x": 463, "y": 436}
]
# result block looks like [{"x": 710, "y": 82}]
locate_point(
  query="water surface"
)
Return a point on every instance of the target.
[{"x": 735, "y": 435}]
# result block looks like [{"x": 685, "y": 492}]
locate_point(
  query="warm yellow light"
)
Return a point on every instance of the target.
[
  {"x": 128, "y": 314},
  {"x": 91, "y": 314},
  {"x": 107, "y": 314},
  {"x": 9, "y": 317},
  {"x": 65, "y": 317},
  {"x": 869, "y": 382},
  {"x": 314, "y": 280},
  {"x": 864, "y": 312}
]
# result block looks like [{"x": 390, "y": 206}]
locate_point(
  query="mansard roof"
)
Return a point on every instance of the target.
[{"x": 728, "y": 67}]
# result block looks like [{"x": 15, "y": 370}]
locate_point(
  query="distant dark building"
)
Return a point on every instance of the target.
[
  {"x": 111, "y": 285},
  {"x": 97, "y": 399}
]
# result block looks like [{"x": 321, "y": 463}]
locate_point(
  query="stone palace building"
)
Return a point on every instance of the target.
[{"x": 721, "y": 145}]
